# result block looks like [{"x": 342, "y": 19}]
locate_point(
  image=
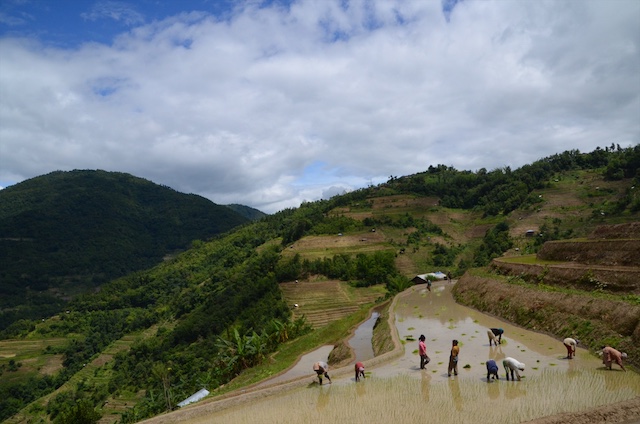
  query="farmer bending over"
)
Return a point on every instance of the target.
[
  {"x": 512, "y": 365},
  {"x": 321, "y": 368},
  {"x": 359, "y": 371},
  {"x": 492, "y": 370}
]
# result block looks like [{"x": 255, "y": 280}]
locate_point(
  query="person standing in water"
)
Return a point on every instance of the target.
[
  {"x": 498, "y": 332},
  {"x": 611, "y": 355},
  {"x": 422, "y": 350},
  {"x": 570, "y": 344},
  {"x": 359, "y": 371},
  {"x": 492, "y": 370},
  {"x": 453, "y": 358},
  {"x": 512, "y": 366},
  {"x": 321, "y": 368}
]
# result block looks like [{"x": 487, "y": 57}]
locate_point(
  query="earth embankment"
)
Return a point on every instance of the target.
[
  {"x": 575, "y": 275},
  {"x": 593, "y": 320},
  {"x": 618, "y": 252}
]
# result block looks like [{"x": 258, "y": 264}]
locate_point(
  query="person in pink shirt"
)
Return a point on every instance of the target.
[
  {"x": 359, "y": 371},
  {"x": 422, "y": 350},
  {"x": 610, "y": 355}
]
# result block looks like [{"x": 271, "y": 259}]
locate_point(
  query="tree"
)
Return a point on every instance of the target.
[{"x": 81, "y": 413}]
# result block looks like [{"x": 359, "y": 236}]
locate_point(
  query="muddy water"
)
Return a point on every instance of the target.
[
  {"x": 398, "y": 390},
  {"x": 436, "y": 315},
  {"x": 361, "y": 340}
]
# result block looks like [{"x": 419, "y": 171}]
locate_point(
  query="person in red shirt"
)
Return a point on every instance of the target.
[{"x": 359, "y": 371}]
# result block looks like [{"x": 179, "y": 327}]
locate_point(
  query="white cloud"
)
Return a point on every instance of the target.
[
  {"x": 116, "y": 10},
  {"x": 239, "y": 110}
]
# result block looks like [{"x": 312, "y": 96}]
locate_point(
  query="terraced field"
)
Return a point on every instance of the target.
[
  {"x": 322, "y": 302},
  {"x": 95, "y": 372}
]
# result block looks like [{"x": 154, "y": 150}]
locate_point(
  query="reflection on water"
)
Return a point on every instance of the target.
[
  {"x": 405, "y": 399},
  {"x": 493, "y": 389},
  {"x": 361, "y": 340},
  {"x": 456, "y": 396},
  {"x": 399, "y": 391},
  {"x": 426, "y": 385},
  {"x": 436, "y": 315},
  {"x": 323, "y": 398}
]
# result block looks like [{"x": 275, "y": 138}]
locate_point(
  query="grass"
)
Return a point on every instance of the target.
[
  {"x": 30, "y": 355},
  {"x": 527, "y": 260},
  {"x": 95, "y": 372},
  {"x": 485, "y": 273},
  {"x": 290, "y": 351}
]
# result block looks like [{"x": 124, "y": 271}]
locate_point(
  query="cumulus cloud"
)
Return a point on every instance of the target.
[{"x": 270, "y": 106}]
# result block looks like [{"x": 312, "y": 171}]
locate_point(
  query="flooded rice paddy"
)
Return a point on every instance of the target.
[{"x": 398, "y": 391}]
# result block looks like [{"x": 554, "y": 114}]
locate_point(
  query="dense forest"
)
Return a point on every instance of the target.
[
  {"x": 65, "y": 233},
  {"x": 217, "y": 308}
]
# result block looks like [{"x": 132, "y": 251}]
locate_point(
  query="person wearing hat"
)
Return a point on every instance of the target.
[
  {"x": 570, "y": 344},
  {"x": 512, "y": 366},
  {"x": 359, "y": 371},
  {"x": 611, "y": 355},
  {"x": 498, "y": 333}
]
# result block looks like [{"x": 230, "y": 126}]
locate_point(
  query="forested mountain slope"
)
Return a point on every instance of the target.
[
  {"x": 246, "y": 211},
  {"x": 65, "y": 233},
  {"x": 217, "y": 310}
]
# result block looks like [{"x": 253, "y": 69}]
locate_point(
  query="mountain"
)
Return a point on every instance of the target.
[
  {"x": 221, "y": 314},
  {"x": 66, "y": 233},
  {"x": 248, "y": 212}
]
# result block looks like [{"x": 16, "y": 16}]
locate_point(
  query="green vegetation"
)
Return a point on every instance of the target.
[
  {"x": 214, "y": 315},
  {"x": 66, "y": 233}
]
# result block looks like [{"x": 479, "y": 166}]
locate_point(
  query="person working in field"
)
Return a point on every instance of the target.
[
  {"x": 321, "y": 368},
  {"x": 570, "y": 344},
  {"x": 359, "y": 371},
  {"x": 497, "y": 332},
  {"x": 492, "y": 370},
  {"x": 422, "y": 351},
  {"x": 493, "y": 340},
  {"x": 611, "y": 355},
  {"x": 512, "y": 366},
  {"x": 453, "y": 358}
]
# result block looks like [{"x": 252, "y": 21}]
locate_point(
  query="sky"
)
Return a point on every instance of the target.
[{"x": 273, "y": 103}]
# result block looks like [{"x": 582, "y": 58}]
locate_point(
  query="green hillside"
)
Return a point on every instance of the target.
[
  {"x": 66, "y": 233},
  {"x": 246, "y": 211},
  {"x": 221, "y": 312}
]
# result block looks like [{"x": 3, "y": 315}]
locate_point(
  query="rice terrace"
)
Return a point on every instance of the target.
[{"x": 562, "y": 265}]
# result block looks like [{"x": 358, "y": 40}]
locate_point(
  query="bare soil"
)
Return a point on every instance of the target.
[
  {"x": 555, "y": 313},
  {"x": 627, "y": 412}
]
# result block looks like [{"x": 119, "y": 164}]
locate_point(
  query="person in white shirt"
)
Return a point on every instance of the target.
[
  {"x": 570, "y": 344},
  {"x": 512, "y": 366},
  {"x": 321, "y": 368}
]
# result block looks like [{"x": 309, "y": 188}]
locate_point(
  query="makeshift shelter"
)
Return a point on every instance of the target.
[{"x": 422, "y": 278}]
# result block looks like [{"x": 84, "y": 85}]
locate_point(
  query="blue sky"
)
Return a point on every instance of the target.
[
  {"x": 271, "y": 103},
  {"x": 69, "y": 23}
]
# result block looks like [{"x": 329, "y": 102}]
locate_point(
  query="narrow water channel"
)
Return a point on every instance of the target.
[{"x": 361, "y": 340}]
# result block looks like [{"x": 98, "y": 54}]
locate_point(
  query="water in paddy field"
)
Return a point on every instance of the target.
[
  {"x": 398, "y": 391},
  {"x": 361, "y": 340}
]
